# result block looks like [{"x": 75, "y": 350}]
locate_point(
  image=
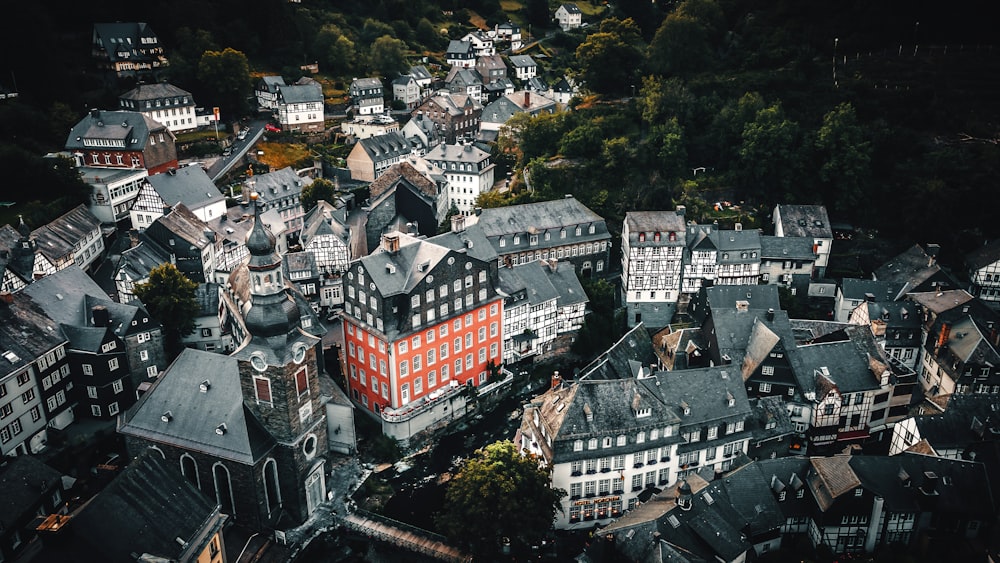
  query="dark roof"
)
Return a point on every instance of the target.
[
  {"x": 402, "y": 172},
  {"x": 25, "y": 332},
  {"x": 969, "y": 418},
  {"x": 279, "y": 184},
  {"x": 845, "y": 362},
  {"x": 156, "y": 91},
  {"x": 538, "y": 217},
  {"x": 706, "y": 393},
  {"x": 858, "y": 288},
  {"x": 189, "y": 185},
  {"x": 386, "y": 146},
  {"x": 301, "y": 93},
  {"x": 809, "y": 221},
  {"x": 655, "y": 221},
  {"x": 64, "y": 235},
  {"x": 786, "y": 248},
  {"x": 621, "y": 361},
  {"x": 130, "y": 127},
  {"x": 195, "y": 415},
  {"x": 146, "y": 509},
  {"x": 23, "y": 480},
  {"x": 571, "y": 8},
  {"x": 522, "y": 61},
  {"x": 985, "y": 255}
]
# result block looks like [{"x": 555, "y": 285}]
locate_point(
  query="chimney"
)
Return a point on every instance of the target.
[
  {"x": 681, "y": 210},
  {"x": 527, "y": 98},
  {"x": 100, "y": 316},
  {"x": 390, "y": 242},
  {"x": 172, "y": 171},
  {"x": 556, "y": 380},
  {"x": 770, "y": 315},
  {"x": 738, "y": 226},
  {"x": 684, "y": 500},
  {"x": 95, "y": 113},
  {"x": 457, "y": 223},
  {"x": 468, "y": 146}
]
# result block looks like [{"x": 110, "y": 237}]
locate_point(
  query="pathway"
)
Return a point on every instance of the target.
[{"x": 403, "y": 535}]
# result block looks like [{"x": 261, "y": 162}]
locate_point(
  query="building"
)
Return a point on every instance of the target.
[
  {"x": 127, "y": 49},
  {"x": 365, "y": 126},
  {"x": 249, "y": 428},
  {"x": 524, "y": 67},
  {"x": 569, "y": 16},
  {"x": 918, "y": 270},
  {"x": 34, "y": 387},
  {"x": 497, "y": 112},
  {"x": 328, "y": 240},
  {"x": 17, "y": 258},
  {"x": 422, "y": 322},
  {"x": 466, "y": 81},
  {"x": 162, "y": 102},
  {"x": 455, "y": 116},
  {"x": 300, "y": 106},
  {"x": 372, "y": 156},
  {"x": 422, "y": 134},
  {"x": 73, "y": 239},
  {"x": 31, "y": 490},
  {"x": 406, "y": 90},
  {"x": 113, "y": 192},
  {"x": 367, "y": 97},
  {"x": 266, "y": 91},
  {"x": 563, "y": 229},
  {"x": 469, "y": 172},
  {"x": 720, "y": 257},
  {"x": 809, "y": 222},
  {"x": 460, "y": 53},
  {"x": 281, "y": 190},
  {"x": 423, "y": 77},
  {"x": 125, "y": 140},
  {"x": 148, "y": 512},
  {"x": 541, "y": 303},
  {"x": 784, "y": 259},
  {"x": 509, "y": 32},
  {"x": 491, "y": 68},
  {"x": 482, "y": 42},
  {"x": 852, "y": 292},
  {"x": 653, "y": 245},
  {"x": 189, "y": 186},
  {"x": 983, "y": 267}
]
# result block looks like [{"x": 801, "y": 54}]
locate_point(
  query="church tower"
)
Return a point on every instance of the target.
[{"x": 279, "y": 374}]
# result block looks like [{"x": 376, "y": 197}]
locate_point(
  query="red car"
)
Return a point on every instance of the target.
[{"x": 272, "y": 128}]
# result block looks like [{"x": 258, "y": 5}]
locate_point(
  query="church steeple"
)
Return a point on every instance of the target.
[{"x": 272, "y": 312}]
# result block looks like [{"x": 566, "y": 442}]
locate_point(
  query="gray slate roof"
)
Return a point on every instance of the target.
[
  {"x": 301, "y": 93},
  {"x": 786, "y": 248},
  {"x": 538, "y": 217},
  {"x": 194, "y": 415},
  {"x": 155, "y": 91},
  {"x": 60, "y": 237},
  {"x": 130, "y": 127},
  {"x": 189, "y": 185},
  {"x": 809, "y": 221},
  {"x": 23, "y": 479}
]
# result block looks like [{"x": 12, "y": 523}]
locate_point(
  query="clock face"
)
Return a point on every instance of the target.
[
  {"x": 258, "y": 362},
  {"x": 299, "y": 354}
]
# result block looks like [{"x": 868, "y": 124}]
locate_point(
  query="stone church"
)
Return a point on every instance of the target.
[{"x": 249, "y": 429}]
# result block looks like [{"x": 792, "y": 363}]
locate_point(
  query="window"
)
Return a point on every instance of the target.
[
  {"x": 27, "y": 396},
  {"x": 578, "y": 446},
  {"x": 88, "y": 369},
  {"x": 113, "y": 364},
  {"x": 113, "y": 408},
  {"x": 765, "y": 387},
  {"x": 767, "y": 370},
  {"x": 262, "y": 388},
  {"x": 95, "y": 410},
  {"x": 117, "y": 386}
]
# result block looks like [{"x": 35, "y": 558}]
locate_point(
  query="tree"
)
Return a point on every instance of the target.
[
  {"x": 499, "y": 493},
  {"x": 770, "y": 157},
  {"x": 226, "y": 76},
  {"x": 335, "y": 50},
  {"x": 845, "y": 157},
  {"x": 169, "y": 296},
  {"x": 388, "y": 56},
  {"x": 683, "y": 42},
  {"x": 319, "y": 189},
  {"x": 609, "y": 57}
]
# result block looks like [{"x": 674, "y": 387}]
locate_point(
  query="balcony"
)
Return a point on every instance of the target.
[
  {"x": 605, "y": 469},
  {"x": 576, "y": 474},
  {"x": 638, "y": 464}
]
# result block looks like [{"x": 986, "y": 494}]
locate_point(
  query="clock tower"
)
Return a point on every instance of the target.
[{"x": 279, "y": 374}]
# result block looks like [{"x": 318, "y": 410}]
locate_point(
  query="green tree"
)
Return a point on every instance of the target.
[
  {"x": 670, "y": 154},
  {"x": 609, "y": 57},
  {"x": 169, "y": 296},
  {"x": 845, "y": 155},
  {"x": 226, "y": 77},
  {"x": 388, "y": 56},
  {"x": 334, "y": 50},
  {"x": 582, "y": 142},
  {"x": 319, "y": 189},
  {"x": 770, "y": 157},
  {"x": 499, "y": 493}
]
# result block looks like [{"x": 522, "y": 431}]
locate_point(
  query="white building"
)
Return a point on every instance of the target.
[
  {"x": 164, "y": 103},
  {"x": 114, "y": 190},
  {"x": 189, "y": 185},
  {"x": 809, "y": 222},
  {"x": 300, "y": 106},
  {"x": 653, "y": 244},
  {"x": 469, "y": 172},
  {"x": 569, "y": 16}
]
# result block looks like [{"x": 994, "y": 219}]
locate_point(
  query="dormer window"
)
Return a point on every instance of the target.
[
  {"x": 642, "y": 413},
  {"x": 672, "y": 236},
  {"x": 642, "y": 237},
  {"x": 656, "y": 236},
  {"x": 730, "y": 400},
  {"x": 685, "y": 408}
]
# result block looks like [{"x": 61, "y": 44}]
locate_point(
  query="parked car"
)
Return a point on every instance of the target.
[
  {"x": 242, "y": 134},
  {"x": 228, "y": 151},
  {"x": 272, "y": 128}
]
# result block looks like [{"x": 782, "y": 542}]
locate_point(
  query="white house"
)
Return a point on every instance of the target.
[
  {"x": 569, "y": 16},
  {"x": 524, "y": 66},
  {"x": 300, "y": 106},
  {"x": 189, "y": 185},
  {"x": 468, "y": 170}
]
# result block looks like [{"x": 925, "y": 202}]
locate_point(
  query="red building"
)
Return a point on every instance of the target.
[
  {"x": 122, "y": 139},
  {"x": 420, "y": 321}
]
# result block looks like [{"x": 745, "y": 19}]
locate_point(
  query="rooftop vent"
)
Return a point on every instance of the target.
[
  {"x": 166, "y": 417},
  {"x": 221, "y": 429},
  {"x": 205, "y": 386}
]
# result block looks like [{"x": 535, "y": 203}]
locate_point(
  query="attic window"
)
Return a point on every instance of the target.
[
  {"x": 642, "y": 413},
  {"x": 685, "y": 408},
  {"x": 221, "y": 429},
  {"x": 708, "y": 498},
  {"x": 166, "y": 417},
  {"x": 730, "y": 400}
]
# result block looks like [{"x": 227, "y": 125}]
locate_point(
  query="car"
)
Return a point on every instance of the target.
[
  {"x": 272, "y": 128},
  {"x": 242, "y": 134},
  {"x": 228, "y": 151}
]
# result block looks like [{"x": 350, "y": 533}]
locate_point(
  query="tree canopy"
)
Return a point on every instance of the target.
[
  {"x": 499, "y": 493},
  {"x": 226, "y": 76},
  {"x": 319, "y": 189},
  {"x": 169, "y": 296}
]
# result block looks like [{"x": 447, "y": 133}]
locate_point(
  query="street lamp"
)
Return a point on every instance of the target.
[{"x": 835, "y": 41}]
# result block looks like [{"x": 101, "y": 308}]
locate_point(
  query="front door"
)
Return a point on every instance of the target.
[{"x": 315, "y": 489}]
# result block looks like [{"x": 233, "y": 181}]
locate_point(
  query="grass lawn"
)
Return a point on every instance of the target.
[
  {"x": 590, "y": 9},
  {"x": 281, "y": 155}
]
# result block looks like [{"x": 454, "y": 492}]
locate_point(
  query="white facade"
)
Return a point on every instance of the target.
[
  {"x": 114, "y": 191},
  {"x": 468, "y": 170},
  {"x": 369, "y": 126},
  {"x": 569, "y": 16},
  {"x": 653, "y": 256}
]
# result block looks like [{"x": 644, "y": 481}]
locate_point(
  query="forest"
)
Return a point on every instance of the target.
[{"x": 885, "y": 112}]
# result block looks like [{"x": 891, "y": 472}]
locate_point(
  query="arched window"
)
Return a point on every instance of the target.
[
  {"x": 189, "y": 469},
  {"x": 223, "y": 488},
  {"x": 159, "y": 451},
  {"x": 272, "y": 494}
]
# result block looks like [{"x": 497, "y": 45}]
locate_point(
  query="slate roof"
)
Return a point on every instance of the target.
[
  {"x": 420, "y": 72},
  {"x": 460, "y": 76},
  {"x": 858, "y": 288},
  {"x": 406, "y": 275},
  {"x": 130, "y": 127},
  {"x": 458, "y": 153},
  {"x": 734, "y": 244},
  {"x": 321, "y": 220},
  {"x": 522, "y": 61},
  {"x": 912, "y": 267},
  {"x": 123, "y": 33},
  {"x": 69, "y": 296},
  {"x": 538, "y": 217},
  {"x": 571, "y": 8},
  {"x": 301, "y": 93},
  {"x": 529, "y": 278},
  {"x": 621, "y": 361},
  {"x": 655, "y": 221},
  {"x": 809, "y": 221},
  {"x": 139, "y": 260},
  {"x": 706, "y": 392},
  {"x": 365, "y": 83},
  {"x": 969, "y": 418},
  {"x": 786, "y": 248},
  {"x": 939, "y": 302},
  {"x": 156, "y": 91},
  {"x": 272, "y": 83},
  {"x": 385, "y": 146},
  {"x": 279, "y": 184},
  {"x": 195, "y": 415},
  {"x": 189, "y": 185},
  {"x": 18, "y": 261},
  {"x": 985, "y": 255},
  {"x": 144, "y": 509},
  {"x": 402, "y": 171},
  {"x": 456, "y": 47},
  {"x": 23, "y": 480},
  {"x": 847, "y": 364},
  {"x": 59, "y": 238},
  {"x": 472, "y": 240}
]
